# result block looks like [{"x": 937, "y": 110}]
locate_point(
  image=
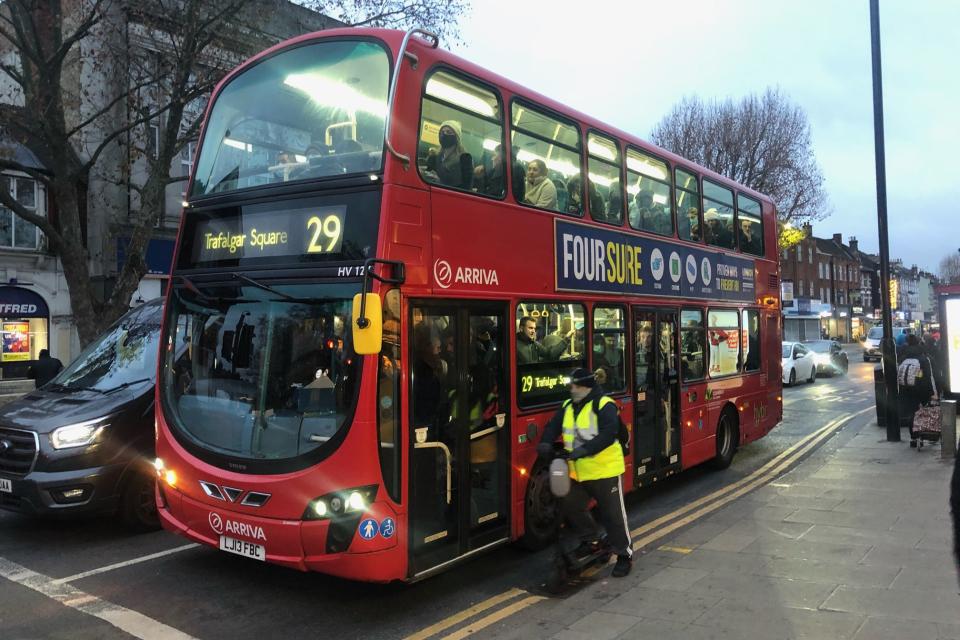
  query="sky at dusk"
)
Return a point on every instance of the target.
[{"x": 628, "y": 63}]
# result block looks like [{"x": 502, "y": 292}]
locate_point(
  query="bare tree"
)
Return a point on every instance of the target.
[
  {"x": 126, "y": 129},
  {"x": 949, "y": 272},
  {"x": 762, "y": 142},
  {"x": 440, "y": 16}
]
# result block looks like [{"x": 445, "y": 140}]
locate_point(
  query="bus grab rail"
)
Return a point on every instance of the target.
[
  {"x": 427, "y": 35},
  {"x": 448, "y": 456}
]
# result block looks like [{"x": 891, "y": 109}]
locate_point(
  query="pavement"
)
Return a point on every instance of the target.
[{"x": 855, "y": 541}]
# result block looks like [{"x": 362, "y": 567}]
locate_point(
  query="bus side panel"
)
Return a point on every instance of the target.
[{"x": 407, "y": 234}]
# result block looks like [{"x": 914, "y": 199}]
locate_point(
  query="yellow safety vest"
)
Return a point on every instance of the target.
[{"x": 583, "y": 427}]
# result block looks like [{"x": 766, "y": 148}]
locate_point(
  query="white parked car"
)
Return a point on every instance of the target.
[{"x": 798, "y": 363}]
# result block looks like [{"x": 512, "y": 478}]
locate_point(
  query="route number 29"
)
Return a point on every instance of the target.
[{"x": 324, "y": 230}]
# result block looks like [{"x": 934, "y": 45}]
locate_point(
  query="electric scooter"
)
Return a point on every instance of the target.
[{"x": 570, "y": 557}]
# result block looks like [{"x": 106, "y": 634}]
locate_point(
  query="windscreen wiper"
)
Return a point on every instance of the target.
[
  {"x": 265, "y": 287},
  {"x": 124, "y": 385}
]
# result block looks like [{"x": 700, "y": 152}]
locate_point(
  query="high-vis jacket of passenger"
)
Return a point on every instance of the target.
[{"x": 581, "y": 428}]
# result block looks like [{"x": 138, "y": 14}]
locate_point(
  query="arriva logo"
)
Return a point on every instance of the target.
[
  {"x": 220, "y": 526},
  {"x": 444, "y": 275}
]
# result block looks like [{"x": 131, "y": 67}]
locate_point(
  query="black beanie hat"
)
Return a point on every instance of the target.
[{"x": 583, "y": 378}]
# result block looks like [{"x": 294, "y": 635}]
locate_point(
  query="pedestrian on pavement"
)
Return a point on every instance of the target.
[
  {"x": 45, "y": 369},
  {"x": 914, "y": 390},
  {"x": 590, "y": 424}
]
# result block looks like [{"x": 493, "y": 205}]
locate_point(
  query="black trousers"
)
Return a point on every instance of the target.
[{"x": 608, "y": 492}]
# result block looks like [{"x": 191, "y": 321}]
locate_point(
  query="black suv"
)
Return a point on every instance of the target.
[{"x": 84, "y": 442}]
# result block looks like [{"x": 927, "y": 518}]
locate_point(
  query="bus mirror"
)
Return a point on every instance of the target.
[{"x": 368, "y": 339}]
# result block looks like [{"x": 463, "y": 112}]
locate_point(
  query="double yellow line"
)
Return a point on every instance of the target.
[{"x": 643, "y": 536}]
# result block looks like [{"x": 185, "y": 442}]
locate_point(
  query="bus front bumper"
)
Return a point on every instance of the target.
[{"x": 298, "y": 544}]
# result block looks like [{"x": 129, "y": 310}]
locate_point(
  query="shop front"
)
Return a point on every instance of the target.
[{"x": 24, "y": 326}]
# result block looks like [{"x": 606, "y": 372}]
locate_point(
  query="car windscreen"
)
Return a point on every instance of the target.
[
  {"x": 875, "y": 333},
  {"x": 125, "y": 355},
  {"x": 820, "y": 346}
]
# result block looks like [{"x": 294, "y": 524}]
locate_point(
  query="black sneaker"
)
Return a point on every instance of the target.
[
  {"x": 623, "y": 566},
  {"x": 913, "y": 444}
]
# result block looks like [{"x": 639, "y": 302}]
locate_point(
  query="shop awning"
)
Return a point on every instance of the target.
[{"x": 17, "y": 302}]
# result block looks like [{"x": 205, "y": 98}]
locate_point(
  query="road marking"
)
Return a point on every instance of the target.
[
  {"x": 126, "y": 563},
  {"x": 496, "y": 616},
  {"x": 733, "y": 486},
  {"x": 672, "y": 549},
  {"x": 717, "y": 499},
  {"x": 823, "y": 434},
  {"x": 457, "y": 618},
  {"x": 134, "y": 623}
]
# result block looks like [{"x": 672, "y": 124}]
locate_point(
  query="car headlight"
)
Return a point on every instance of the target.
[
  {"x": 80, "y": 434},
  {"x": 341, "y": 503}
]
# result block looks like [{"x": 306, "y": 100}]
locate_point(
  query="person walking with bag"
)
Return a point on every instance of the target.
[
  {"x": 590, "y": 424},
  {"x": 915, "y": 381}
]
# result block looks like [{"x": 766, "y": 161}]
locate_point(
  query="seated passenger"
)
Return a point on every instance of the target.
[
  {"x": 529, "y": 350},
  {"x": 495, "y": 180},
  {"x": 693, "y": 225},
  {"x": 538, "y": 189},
  {"x": 615, "y": 204},
  {"x": 749, "y": 241},
  {"x": 598, "y": 208},
  {"x": 646, "y": 215},
  {"x": 574, "y": 196},
  {"x": 716, "y": 233},
  {"x": 452, "y": 164}
]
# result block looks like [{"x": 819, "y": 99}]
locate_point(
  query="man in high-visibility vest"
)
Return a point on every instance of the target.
[{"x": 590, "y": 425}]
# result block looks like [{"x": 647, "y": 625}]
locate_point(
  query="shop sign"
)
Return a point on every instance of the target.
[{"x": 16, "y": 341}]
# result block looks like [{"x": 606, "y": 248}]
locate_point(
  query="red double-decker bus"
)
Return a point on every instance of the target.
[{"x": 388, "y": 262}]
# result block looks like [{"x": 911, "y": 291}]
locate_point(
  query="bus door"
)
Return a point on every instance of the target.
[
  {"x": 459, "y": 448},
  {"x": 656, "y": 393}
]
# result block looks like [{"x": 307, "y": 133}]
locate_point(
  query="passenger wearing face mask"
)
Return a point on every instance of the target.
[
  {"x": 452, "y": 164},
  {"x": 590, "y": 425}
]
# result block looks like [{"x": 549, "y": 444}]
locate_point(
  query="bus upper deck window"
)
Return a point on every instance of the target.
[
  {"x": 648, "y": 193},
  {"x": 548, "y": 152},
  {"x": 461, "y": 136}
]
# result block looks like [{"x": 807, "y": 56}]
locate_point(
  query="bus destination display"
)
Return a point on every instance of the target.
[{"x": 312, "y": 231}]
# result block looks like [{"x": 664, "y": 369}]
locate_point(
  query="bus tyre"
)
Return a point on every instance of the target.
[
  {"x": 727, "y": 438},
  {"x": 541, "y": 512},
  {"x": 138, "y": 503}
]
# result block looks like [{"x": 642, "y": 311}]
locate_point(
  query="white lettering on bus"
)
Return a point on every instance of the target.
[
  {"x": 586, "y": 256},
  {"x": 244, "y": 529},
  {"x": 473, "y": 275}
]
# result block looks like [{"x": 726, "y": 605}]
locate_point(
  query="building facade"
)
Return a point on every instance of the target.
[{"x": 35, "y": 308}]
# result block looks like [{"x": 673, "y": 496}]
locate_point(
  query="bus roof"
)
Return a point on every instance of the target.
[{"x": 394, "y": 39}]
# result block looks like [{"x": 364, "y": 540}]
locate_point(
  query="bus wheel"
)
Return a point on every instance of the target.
[
  {"x": 138, "y": 504},
  {"x": 727, "y": 437},
  {"x": 541, "y": 513}
]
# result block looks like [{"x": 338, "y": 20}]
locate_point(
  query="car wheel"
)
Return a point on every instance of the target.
[
  {"x": 813, "y": 375},
  {"x": 138, "y": 503},
  {"x": 844, "y": 366},
  {"x": 793, "y": 378},
  {"x": 727, "y": 438}
]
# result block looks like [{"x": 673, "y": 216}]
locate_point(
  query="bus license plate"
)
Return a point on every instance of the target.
[
  {"x": 6, "y": 485},
  {"x": 243, "y": 548}
]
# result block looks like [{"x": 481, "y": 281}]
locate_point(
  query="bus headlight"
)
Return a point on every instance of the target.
[
  {"x": 341, "y": 503},
  {"x": 77, "y": 435}
]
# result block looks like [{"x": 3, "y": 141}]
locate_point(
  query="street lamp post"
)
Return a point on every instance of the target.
[{"x": 887, "y": 346}]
